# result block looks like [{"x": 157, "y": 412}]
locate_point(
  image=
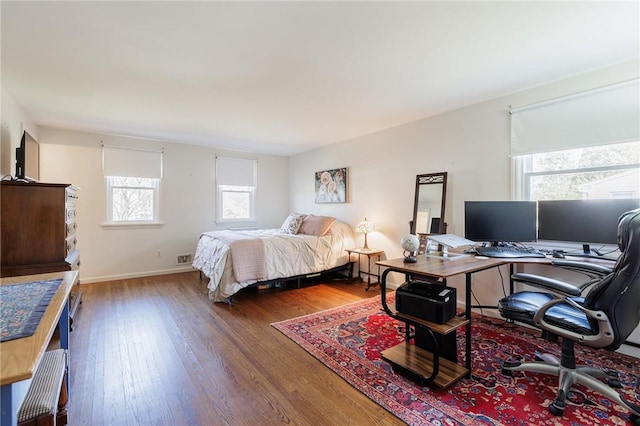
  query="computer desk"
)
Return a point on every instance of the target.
[{"x": 420, "y": 364}]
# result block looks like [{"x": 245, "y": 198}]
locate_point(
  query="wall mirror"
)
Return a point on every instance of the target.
[{"x": 429, "y": 203}]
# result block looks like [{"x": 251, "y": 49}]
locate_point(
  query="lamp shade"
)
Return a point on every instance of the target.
[{"x": 365, "y": 227}]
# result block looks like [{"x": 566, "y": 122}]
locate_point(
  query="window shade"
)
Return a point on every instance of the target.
[
  {"x": 131, "y": 162},
  {"x": 235, "y": 171},
  {"x": 603, "y": 116}
]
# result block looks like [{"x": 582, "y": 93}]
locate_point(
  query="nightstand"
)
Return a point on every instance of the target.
[{"x": 368, "y": 253}]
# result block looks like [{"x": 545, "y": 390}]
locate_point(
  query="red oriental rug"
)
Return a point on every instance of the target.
[{"x": 349, "y": 340}]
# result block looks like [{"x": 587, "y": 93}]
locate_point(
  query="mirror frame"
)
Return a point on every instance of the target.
[{"x": 431, "y": 179}]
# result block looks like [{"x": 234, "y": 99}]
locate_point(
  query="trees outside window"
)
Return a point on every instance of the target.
[
  {"x": 132, "y": 199},
  {"x": 600, "y": 172}
]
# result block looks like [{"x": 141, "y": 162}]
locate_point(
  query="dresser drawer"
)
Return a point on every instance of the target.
[
  {"x": 71, "y": 197},
  {"x": 73, "y": 260},
  {"x": 75, "y": 265},
  {"x": 71, "y": 214},
  {"x": 71, "y": 228},
  {"x": 71, "y": 244}
]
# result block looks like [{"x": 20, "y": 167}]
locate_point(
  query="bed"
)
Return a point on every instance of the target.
[{"x": 304, "y": 245}]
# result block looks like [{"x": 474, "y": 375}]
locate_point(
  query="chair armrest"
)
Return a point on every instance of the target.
[
  {"x": 590, "y": 269},
  {"x": 604, "y": 338},
  {"x": 557, "y": 286}
]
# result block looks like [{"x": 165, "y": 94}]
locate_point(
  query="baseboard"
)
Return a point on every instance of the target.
[{"x": 90, "y": 280}]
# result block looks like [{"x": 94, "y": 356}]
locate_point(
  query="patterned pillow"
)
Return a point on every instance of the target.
[{"x": 292, "y": 223}]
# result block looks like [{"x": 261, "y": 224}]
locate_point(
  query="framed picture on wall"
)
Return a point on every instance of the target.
[{"x": 331, "y": 186}]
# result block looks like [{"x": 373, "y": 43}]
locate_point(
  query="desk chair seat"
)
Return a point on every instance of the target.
[
  {"x": 603, "y": 317},
  {"x": 523, "y": 305}
]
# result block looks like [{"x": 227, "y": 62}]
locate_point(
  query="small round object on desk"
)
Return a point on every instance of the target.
[{"x": 410, "y": 244}]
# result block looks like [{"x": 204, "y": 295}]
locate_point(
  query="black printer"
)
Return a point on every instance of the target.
[{"x": 431, "y": 302}]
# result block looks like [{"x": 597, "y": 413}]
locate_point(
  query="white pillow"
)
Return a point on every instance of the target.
[{"x": 292, "y": 223}]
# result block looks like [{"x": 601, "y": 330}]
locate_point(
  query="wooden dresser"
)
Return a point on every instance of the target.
[{"x": 38, "y": 230}]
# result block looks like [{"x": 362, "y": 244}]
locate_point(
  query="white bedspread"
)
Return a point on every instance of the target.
[
  {"x": 247, "y": 254},
  {"x": 286, "y": 256}
]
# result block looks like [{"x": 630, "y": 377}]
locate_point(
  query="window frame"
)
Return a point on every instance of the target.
[
  {"x": 522, "y": 163},
  {"x": 109, "y": 189},
  {"x": 222, "y": 190}
]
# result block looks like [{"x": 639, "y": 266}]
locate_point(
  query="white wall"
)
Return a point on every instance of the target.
[
  {"x": 187, "y": 201},
  {"x": 472, "y": 144}
]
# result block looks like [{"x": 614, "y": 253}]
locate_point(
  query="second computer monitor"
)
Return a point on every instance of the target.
[
  {"x": 500, "y": 221},
  {"x": 582, "y": 221}
]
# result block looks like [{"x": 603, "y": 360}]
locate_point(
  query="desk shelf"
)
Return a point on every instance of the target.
[
  {"x": 446, "y": 328},
  {"x": 416, "y": 363}
]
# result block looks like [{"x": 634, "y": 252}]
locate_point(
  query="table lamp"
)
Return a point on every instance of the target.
[{"x": 365, "y": 227}]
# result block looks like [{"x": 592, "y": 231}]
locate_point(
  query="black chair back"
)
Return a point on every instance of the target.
[{"x": 618, "y": 294}]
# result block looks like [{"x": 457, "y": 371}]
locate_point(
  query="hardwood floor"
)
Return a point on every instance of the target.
[{"x": 157, "y": 351}]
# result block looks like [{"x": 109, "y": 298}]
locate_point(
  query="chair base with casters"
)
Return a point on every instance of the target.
[{"x": 568, "y": 374}]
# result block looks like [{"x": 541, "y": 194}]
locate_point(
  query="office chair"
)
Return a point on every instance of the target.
[{"x": 604, "y": 318}]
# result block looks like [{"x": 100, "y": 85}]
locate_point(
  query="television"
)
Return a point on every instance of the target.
[
  {"x": 28, "y": 158},
  {"x": 500, "y": 222},
  {"x": 582, "y": 221}
]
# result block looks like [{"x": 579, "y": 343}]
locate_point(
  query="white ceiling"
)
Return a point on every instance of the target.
[{"x": 288, "y": 77}]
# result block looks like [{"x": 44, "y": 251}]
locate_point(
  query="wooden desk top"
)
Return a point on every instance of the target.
[
  {"x": 441, "y": 267},
  {"x": 20, "y": 357}
]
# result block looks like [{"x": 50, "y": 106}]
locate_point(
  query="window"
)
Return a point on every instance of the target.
[
  {"x": 132, "y": 182},
  {"x": 236, "y": 185},
  {"x": 132, "y": 199},
  {"x": 581, "y": 146},
  {"x": 236, "y": 202},
  {"x": 600, "y": 172}
]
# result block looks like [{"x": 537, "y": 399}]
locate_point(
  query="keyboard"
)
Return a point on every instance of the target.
[{"x": 492, "y": 251}]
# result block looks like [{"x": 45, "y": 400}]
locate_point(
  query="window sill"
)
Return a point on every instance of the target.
[{"x": 132, "y": 225}]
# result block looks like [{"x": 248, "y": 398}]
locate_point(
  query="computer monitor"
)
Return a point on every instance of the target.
[
  {"x": 582, "y": 221},
  {"x": 435, "y": 225},
  {"x": 500, "y": 221}
]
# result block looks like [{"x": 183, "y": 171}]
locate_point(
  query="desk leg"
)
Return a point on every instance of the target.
[
  {"x": 383, "y": 293},
  {"x": 468, "y": 326}
]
